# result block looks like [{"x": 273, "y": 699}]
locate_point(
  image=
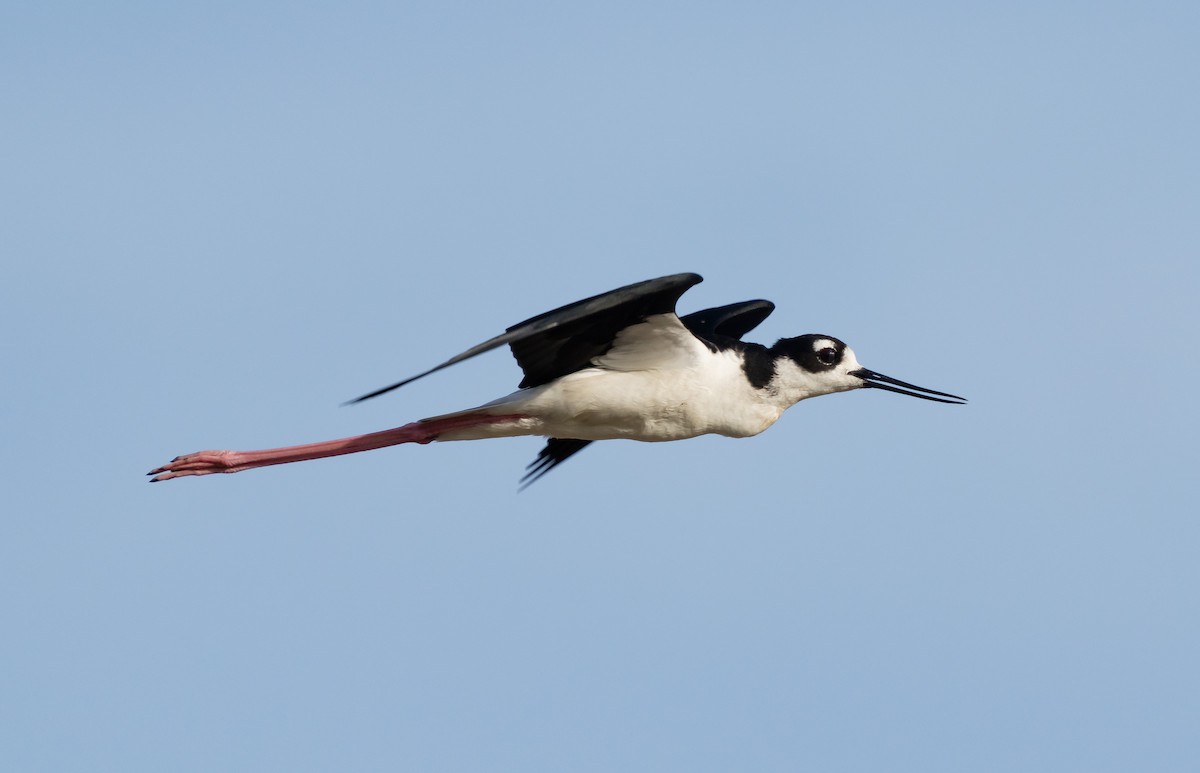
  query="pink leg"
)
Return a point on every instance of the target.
[{"x": 424, "y": 431}]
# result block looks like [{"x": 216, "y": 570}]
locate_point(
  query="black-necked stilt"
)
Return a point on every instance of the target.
[{"x": 617, "y": 365}]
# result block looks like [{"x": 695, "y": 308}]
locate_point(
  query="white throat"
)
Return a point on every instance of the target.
[{"x": 792, "y": 383}]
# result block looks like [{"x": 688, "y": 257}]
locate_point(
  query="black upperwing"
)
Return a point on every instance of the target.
[
  {"x": 566, "y": 339},
  {"x": 727, "y": 322},
  {"x": 713, "y": 326}
]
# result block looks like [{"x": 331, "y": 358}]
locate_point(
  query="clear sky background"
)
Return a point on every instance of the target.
[{"x": 221, "y": 220}]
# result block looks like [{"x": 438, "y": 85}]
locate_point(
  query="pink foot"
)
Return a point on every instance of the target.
[{"x": 199, "y": 463}]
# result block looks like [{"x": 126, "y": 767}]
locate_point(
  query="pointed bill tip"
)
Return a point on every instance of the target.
[{"x": 874, "y": 380}]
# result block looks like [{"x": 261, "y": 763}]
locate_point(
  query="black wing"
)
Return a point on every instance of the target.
[
  {"x": 710, "y": 325},
  {"x": 728, "y": 322},
  {"x": 565, "y": 340}
]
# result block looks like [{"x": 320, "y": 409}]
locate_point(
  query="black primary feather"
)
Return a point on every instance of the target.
[{"x": 565, "y": 340}]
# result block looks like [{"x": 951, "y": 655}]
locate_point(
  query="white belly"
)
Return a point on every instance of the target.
[{"x": 599, "y": 404}]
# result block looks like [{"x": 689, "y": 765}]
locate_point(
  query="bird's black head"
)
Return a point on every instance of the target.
[
  {"x": 814, "y": 352},
  {"x": 814, "y": 364}
]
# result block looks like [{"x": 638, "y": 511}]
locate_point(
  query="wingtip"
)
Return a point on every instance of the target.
[
  {"x": 689, "y": 277},
  {"x": 376, "y": 393}
]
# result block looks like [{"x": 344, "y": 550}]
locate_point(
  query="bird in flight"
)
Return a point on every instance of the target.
[{"x": 621, "y": 364}]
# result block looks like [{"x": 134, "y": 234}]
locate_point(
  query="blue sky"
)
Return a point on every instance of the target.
[{"x": 223, "y": 220}]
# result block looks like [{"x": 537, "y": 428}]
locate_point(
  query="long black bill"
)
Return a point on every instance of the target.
[{"x": 880, "y": 381}]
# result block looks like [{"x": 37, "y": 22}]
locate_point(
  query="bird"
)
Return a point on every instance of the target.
[{"x": 618, "y": 365}]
